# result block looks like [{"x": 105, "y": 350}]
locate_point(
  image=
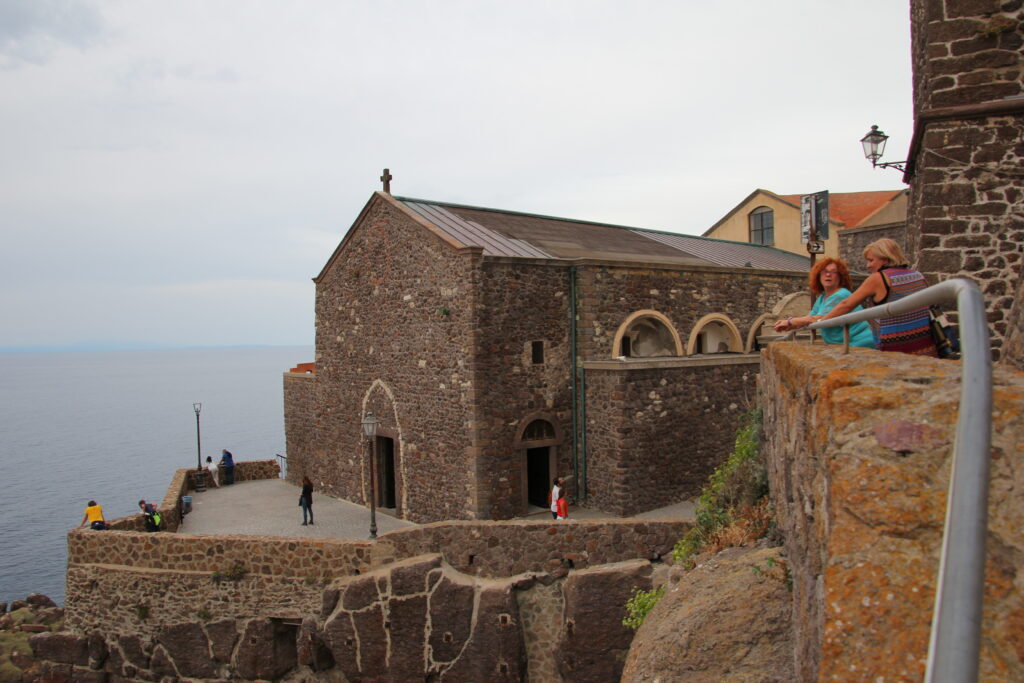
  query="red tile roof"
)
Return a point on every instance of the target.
[{"x": 851, "y": 208}]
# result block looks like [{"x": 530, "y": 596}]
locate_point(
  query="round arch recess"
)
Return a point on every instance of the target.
[
  {"x": 755, "y": 328},
  {"x": 734, "y": 342},
  {"x": 639, "y": 316}
]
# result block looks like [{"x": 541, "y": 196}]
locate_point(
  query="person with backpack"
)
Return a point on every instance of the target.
[
  {"x": 150, "y": 515},
  {"x": 228, "y": 461}
]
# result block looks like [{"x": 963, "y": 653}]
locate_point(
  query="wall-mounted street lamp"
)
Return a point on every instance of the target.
[
  {"x": 369, "y": 424},
  {"x": 874, "y": 147},
  {"x": 199, "y": 453}
]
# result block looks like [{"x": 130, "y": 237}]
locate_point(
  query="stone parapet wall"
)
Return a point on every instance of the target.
[
  {"x": 503, "y": 549},
  {"x": 859, "y": 450}
]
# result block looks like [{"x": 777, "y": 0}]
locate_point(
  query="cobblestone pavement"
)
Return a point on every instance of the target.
[{"x": 270, "y": 507}]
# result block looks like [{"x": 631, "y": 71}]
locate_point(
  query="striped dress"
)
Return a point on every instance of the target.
[{"x": 909, "y": 332}]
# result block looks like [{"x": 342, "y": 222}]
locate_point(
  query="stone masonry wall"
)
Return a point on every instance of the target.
[
  {"x": 455, "y": 601},
  {"x": 520, "y": 303},
  {"x": 395, "y": 316},
  {"x": 852, "y": 242},
  {"x": 966, "y": 214},
  {"x": 655, "y": 434},
  {"x": 859, "y": 449},
  {"x": 609, "y": 294},
  {"x": 300, "y": 416}
]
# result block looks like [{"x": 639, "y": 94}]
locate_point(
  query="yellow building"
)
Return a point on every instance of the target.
[{"x": 774, "y": 220}]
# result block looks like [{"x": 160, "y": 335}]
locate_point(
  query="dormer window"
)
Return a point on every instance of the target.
[{"x": 762, "y": 226}]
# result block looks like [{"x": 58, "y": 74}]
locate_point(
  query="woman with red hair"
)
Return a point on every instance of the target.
[{"x": 830, "y": 283}]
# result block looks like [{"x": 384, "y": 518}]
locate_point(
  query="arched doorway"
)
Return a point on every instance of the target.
[
  {"x": 538, "y": 440},
  {"x": 646, "y": 334}
]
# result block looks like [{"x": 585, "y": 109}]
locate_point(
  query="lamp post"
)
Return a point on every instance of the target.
[
  {"x": 874, "y": 147},
  {"x": 370, "y": 429},
  {"x": 199, "y": 454}
]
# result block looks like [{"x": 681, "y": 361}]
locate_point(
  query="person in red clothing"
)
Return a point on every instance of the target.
[{"x": 561, "y": 506}]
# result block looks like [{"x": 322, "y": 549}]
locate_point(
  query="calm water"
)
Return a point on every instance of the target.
[{"x": 114, "y": 426}]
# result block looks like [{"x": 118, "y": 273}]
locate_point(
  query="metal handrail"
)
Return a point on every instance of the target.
[
  {"x": 954, "y": 646},
  {"x": 282, "y": 466}
]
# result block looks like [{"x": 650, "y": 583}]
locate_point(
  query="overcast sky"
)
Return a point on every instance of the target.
[{"x": 175, "y": 173}]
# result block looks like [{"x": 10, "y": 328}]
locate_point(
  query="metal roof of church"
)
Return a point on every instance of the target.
[{"x": 523, "y": 235}]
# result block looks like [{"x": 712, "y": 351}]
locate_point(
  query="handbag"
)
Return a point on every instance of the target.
[{"x": 947, "y": 342}]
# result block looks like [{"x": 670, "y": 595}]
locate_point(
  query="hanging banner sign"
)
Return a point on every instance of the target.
[{"x": 814, "y": 216}]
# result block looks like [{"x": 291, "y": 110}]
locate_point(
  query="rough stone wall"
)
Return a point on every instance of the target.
[
  {"x": 520, "y": 303},
  {"x": 395, "y": 316},
  {"x": 300, "y": 415},
  {"x": 853, "y": 240},
  {"x": 654, "y": 435},
  {"x": 1013, "y": 355},
  {"x": 966, "y": 213},
  {"x": 418, "y": 619},
  {"x": 859, "y": 451},
  {"x": 111, "y": 573},
  {"x": 609, "y": 294}
]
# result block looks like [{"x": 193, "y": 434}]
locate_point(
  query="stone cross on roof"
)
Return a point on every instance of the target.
[{"x": 386, "y": 179}]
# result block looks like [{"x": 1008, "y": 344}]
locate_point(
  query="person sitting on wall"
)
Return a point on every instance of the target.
[
  {"x": 150, "y": 516},
  {"x": 228, "y": 461},
  {"x": 94, "y": 517},
  {"x": 830, "y": 282},
  {"x": 212, "y": 469},
  {"x": 893, "y": 279}
]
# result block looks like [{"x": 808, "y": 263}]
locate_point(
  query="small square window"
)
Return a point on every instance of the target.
[{"x": 537, "y": 349}]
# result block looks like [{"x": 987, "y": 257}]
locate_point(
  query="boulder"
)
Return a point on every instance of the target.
[
  {"x": 60, "y": 647},
  {"x": 495, "y": 651},
  {"x": 727, "y": 619},
  {"x": 38, "y": 600}
]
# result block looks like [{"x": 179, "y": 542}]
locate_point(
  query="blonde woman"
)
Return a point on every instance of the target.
[{"x": 892, "y": 279}]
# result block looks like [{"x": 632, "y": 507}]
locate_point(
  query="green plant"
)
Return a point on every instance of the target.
[
  {"x": 204, "y": 614},
  {"x": 443, "y": 311},
  {"x": 640, "y": 605},
  {"x": 737, "y": 484}
]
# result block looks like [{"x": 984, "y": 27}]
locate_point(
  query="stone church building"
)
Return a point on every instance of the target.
[{"x": 500, "y": 349}]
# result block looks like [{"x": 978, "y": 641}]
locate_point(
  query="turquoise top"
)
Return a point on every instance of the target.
[{"x": 860, "y": 333}]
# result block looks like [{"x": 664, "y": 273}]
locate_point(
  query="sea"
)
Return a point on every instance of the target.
[{"x": 113, "y": 426}]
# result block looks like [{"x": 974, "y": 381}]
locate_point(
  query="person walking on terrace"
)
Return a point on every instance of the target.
[
  {"x": 212, "y": 469},
  {"x": 892, "y": 279},
  {"x": 228, "y": 461},
  {"x": 830, "y": 282},
  {"x": 306, "y": 500},
  {"x": 94, "y": 517}
]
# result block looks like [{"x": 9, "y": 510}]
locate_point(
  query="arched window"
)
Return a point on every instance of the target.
[
  {"x": 762, "y": 226},
  {"x": 714, "y": 333},
  {"x": 646, "y": 334},
  {"x": 539, "y": 430}
]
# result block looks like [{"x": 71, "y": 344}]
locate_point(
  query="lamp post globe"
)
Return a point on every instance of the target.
[{"x": 874, "y": 144}]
